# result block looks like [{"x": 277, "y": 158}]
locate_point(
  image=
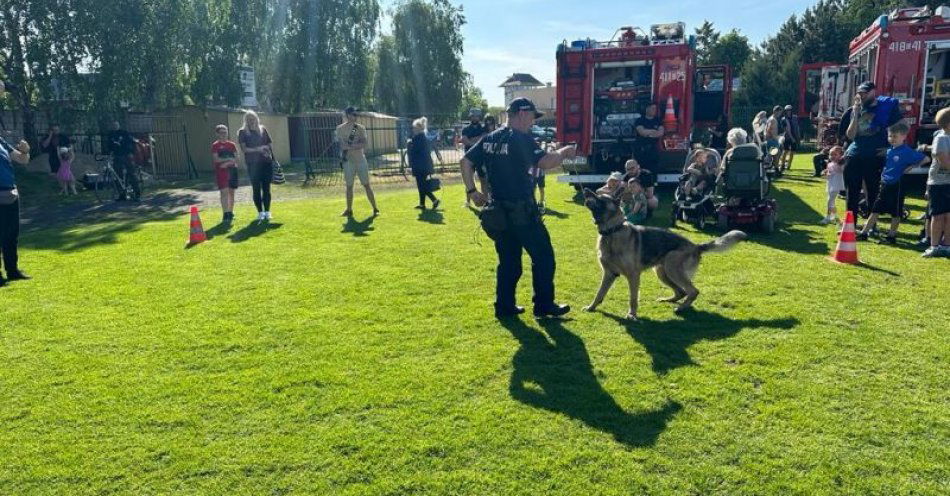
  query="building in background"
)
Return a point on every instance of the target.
[{"x": 543, "y": 95}]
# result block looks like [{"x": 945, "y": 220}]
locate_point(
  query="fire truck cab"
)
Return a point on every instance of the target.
[
  {"x": 906, "y": 54},
  {"x": 604, "y": 87}
]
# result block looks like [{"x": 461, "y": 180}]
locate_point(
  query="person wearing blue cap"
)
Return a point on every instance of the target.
[
  {"x": 10, "y": 204},
  {"x": 511, "y": 218},
  {"x": 865, "y": 126}
]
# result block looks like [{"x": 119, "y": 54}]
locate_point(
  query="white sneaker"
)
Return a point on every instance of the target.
[
  {"x": 931, "y": 252},
  {"x": 267, "y": 216},
  {"x": 260, "y": 216}
]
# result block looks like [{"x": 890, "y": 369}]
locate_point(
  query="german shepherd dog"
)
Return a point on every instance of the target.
[{"x": 627, "y": 250}]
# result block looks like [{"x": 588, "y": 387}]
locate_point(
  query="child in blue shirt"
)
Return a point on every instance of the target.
[{"x": 890, "y": 199}]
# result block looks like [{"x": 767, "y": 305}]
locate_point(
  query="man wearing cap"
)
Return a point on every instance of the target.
[
  {"x": 10, "y": 204},
  {"x": 471, "y": 134},
  {"x": 865, "y": 125},
  {"x": 791, "y": 137},
  {"x": 512, "y": 220},
  {"x": 352, "y": 139}
]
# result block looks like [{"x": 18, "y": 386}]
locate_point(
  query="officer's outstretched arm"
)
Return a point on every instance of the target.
[{"x": 553, "y": 160}]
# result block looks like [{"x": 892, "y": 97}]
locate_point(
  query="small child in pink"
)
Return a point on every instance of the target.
[
  {"x": 67, "y": 181},
  {"x": 834, "y": 172}
]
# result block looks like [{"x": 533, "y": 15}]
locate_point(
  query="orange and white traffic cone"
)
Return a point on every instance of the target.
[
  {"x": 197, "y": 233},
  {"x": 847, "y": 250},
  {"x": 669, "y": 117}
]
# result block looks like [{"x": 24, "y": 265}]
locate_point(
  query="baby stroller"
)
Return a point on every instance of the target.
[
  {"x": 693, "y": 198},
  {"x": 743, "y": 191}
]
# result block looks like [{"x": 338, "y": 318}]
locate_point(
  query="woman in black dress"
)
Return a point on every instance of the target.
[{"x": 420, "y": 161}]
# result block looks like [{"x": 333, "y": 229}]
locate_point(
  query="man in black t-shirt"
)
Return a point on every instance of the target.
[
  {"x": 511, "y": 160},
  {"x": 51, "y": 145},
  {"x": 121, "y": 145},
  {"x": 474, "y": 131},
  {"x": 647, "y": 180},
  {"x": 649, "y": 129}
]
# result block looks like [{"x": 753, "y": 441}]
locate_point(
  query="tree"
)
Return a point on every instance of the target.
[
  {"x": 472, "y": 97},
  {"x": 706, "y": 37},
  {"x": 731, "y": 49},
  {"x": 420, "y": 68}
]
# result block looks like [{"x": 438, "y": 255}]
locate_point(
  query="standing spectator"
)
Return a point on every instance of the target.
[
  {"x": 865, "y": 125},
  {"x": 121, "y": 145},
  {"x": 67, "y": 181},
  {"x": 352, "y": 138},
  {"x": 471, "y": 134},
  {"x": 938, "y": 188},
  {"x": 774, "y": 128},
  {"x": 833, "y": 171},
  {"x": 491, "y": 124},
  {"x": 51, "y": 144},
  {"x": 890, "y": 200},
  {"x": 259, "y": 158},
  {"x": 790, "y": 138},
  {"x": 719, "y": 133},
  {"x": 649, "y": 130},
  {"x": 420, "y": 161},
  {"x": 759, "y": 124},
  {"x": 10, "y": 205},
  {"x": 224, "y": 159}
]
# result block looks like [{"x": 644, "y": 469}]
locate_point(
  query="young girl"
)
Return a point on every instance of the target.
[
  {"x": 65, "y": 173},
  {"x": 634, "y": 203},
  {"x": 834, "y": 172},
  {"x": 223, "y": 157}
]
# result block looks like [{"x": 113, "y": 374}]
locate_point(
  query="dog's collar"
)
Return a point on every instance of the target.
[{"x": 612, "y": 230}]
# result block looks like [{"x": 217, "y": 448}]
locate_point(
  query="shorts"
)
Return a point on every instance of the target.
[
  {"x": 890, "y": 200},
  {"x": 939, "y": 199},
  {"x": 358, "y": 167},
  {"x": 789, "y": 144},
  {"x": 226, "y": 177}
]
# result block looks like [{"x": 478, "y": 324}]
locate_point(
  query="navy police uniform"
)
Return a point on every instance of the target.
[{"x": 507, "y": 156}]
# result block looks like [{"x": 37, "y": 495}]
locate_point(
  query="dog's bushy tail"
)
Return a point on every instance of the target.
[{"x": 722, "y": 243}]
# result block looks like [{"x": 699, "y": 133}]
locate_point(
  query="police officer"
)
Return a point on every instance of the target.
[{"x": 511, "y": 159}]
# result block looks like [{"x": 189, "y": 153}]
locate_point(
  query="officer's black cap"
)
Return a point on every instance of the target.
[
  {"x": 524, "y": 104},
  {"x": 866, "y": 87},
  {"x": 351, "y": 110}
]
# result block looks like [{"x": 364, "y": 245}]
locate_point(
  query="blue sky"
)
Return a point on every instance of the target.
[{"x": 506, "y": 36}]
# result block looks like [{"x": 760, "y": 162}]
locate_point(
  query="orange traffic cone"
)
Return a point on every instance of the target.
[
  {"x": 847, "y": 250},
  {"x": 197, "y": 234},
  {"x": 669, "y": 117}
]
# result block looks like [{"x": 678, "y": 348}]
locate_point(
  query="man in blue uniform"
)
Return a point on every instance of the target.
[{"x": 511, "y": 160}]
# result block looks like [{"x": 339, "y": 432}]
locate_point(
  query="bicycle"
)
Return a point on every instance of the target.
[{"x": 108, "y": 184}]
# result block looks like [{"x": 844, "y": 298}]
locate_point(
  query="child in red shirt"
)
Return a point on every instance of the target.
[{"x": 224, "y": 158}]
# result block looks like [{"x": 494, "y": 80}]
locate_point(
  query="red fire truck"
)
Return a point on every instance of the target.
[
  {"x": 906, "y": 54},
  {"x": 603, "y": 87}
]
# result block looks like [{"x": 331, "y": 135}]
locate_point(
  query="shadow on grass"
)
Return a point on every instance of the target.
[
  {"x": 667, "y": 340},
  {"x": 791, "y": 210},
  {"x": 218, "y": 230},
  {"x": 431, "y": 216},
  {"x": 358, "y": 228},
  {"x": 83, "y": 224},
  {"x": 559, "y": 377},
  {"x": 555, "y": 213},
  {"x": 253, "y": 230}
]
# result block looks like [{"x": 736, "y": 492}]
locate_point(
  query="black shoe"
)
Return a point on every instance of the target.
[
  {"x": 18, "y": 276},
  {"x": 501, "y": 313},
  {"x": 861, "y": 236},
  {"x": 435, "y": 204},
  {"x": 553, "y": 310},
  {"x": 889, "y": 240},
  {"x": 3, "y": 282},
  {"x": 420, "y": 207}
]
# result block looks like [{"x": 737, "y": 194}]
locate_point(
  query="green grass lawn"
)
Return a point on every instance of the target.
[{"x": 318, "y": 357}]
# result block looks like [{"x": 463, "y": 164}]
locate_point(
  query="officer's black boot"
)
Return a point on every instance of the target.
[
  {"x": 505, "y": 312},
  {"x": 552, "y": 310}
]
